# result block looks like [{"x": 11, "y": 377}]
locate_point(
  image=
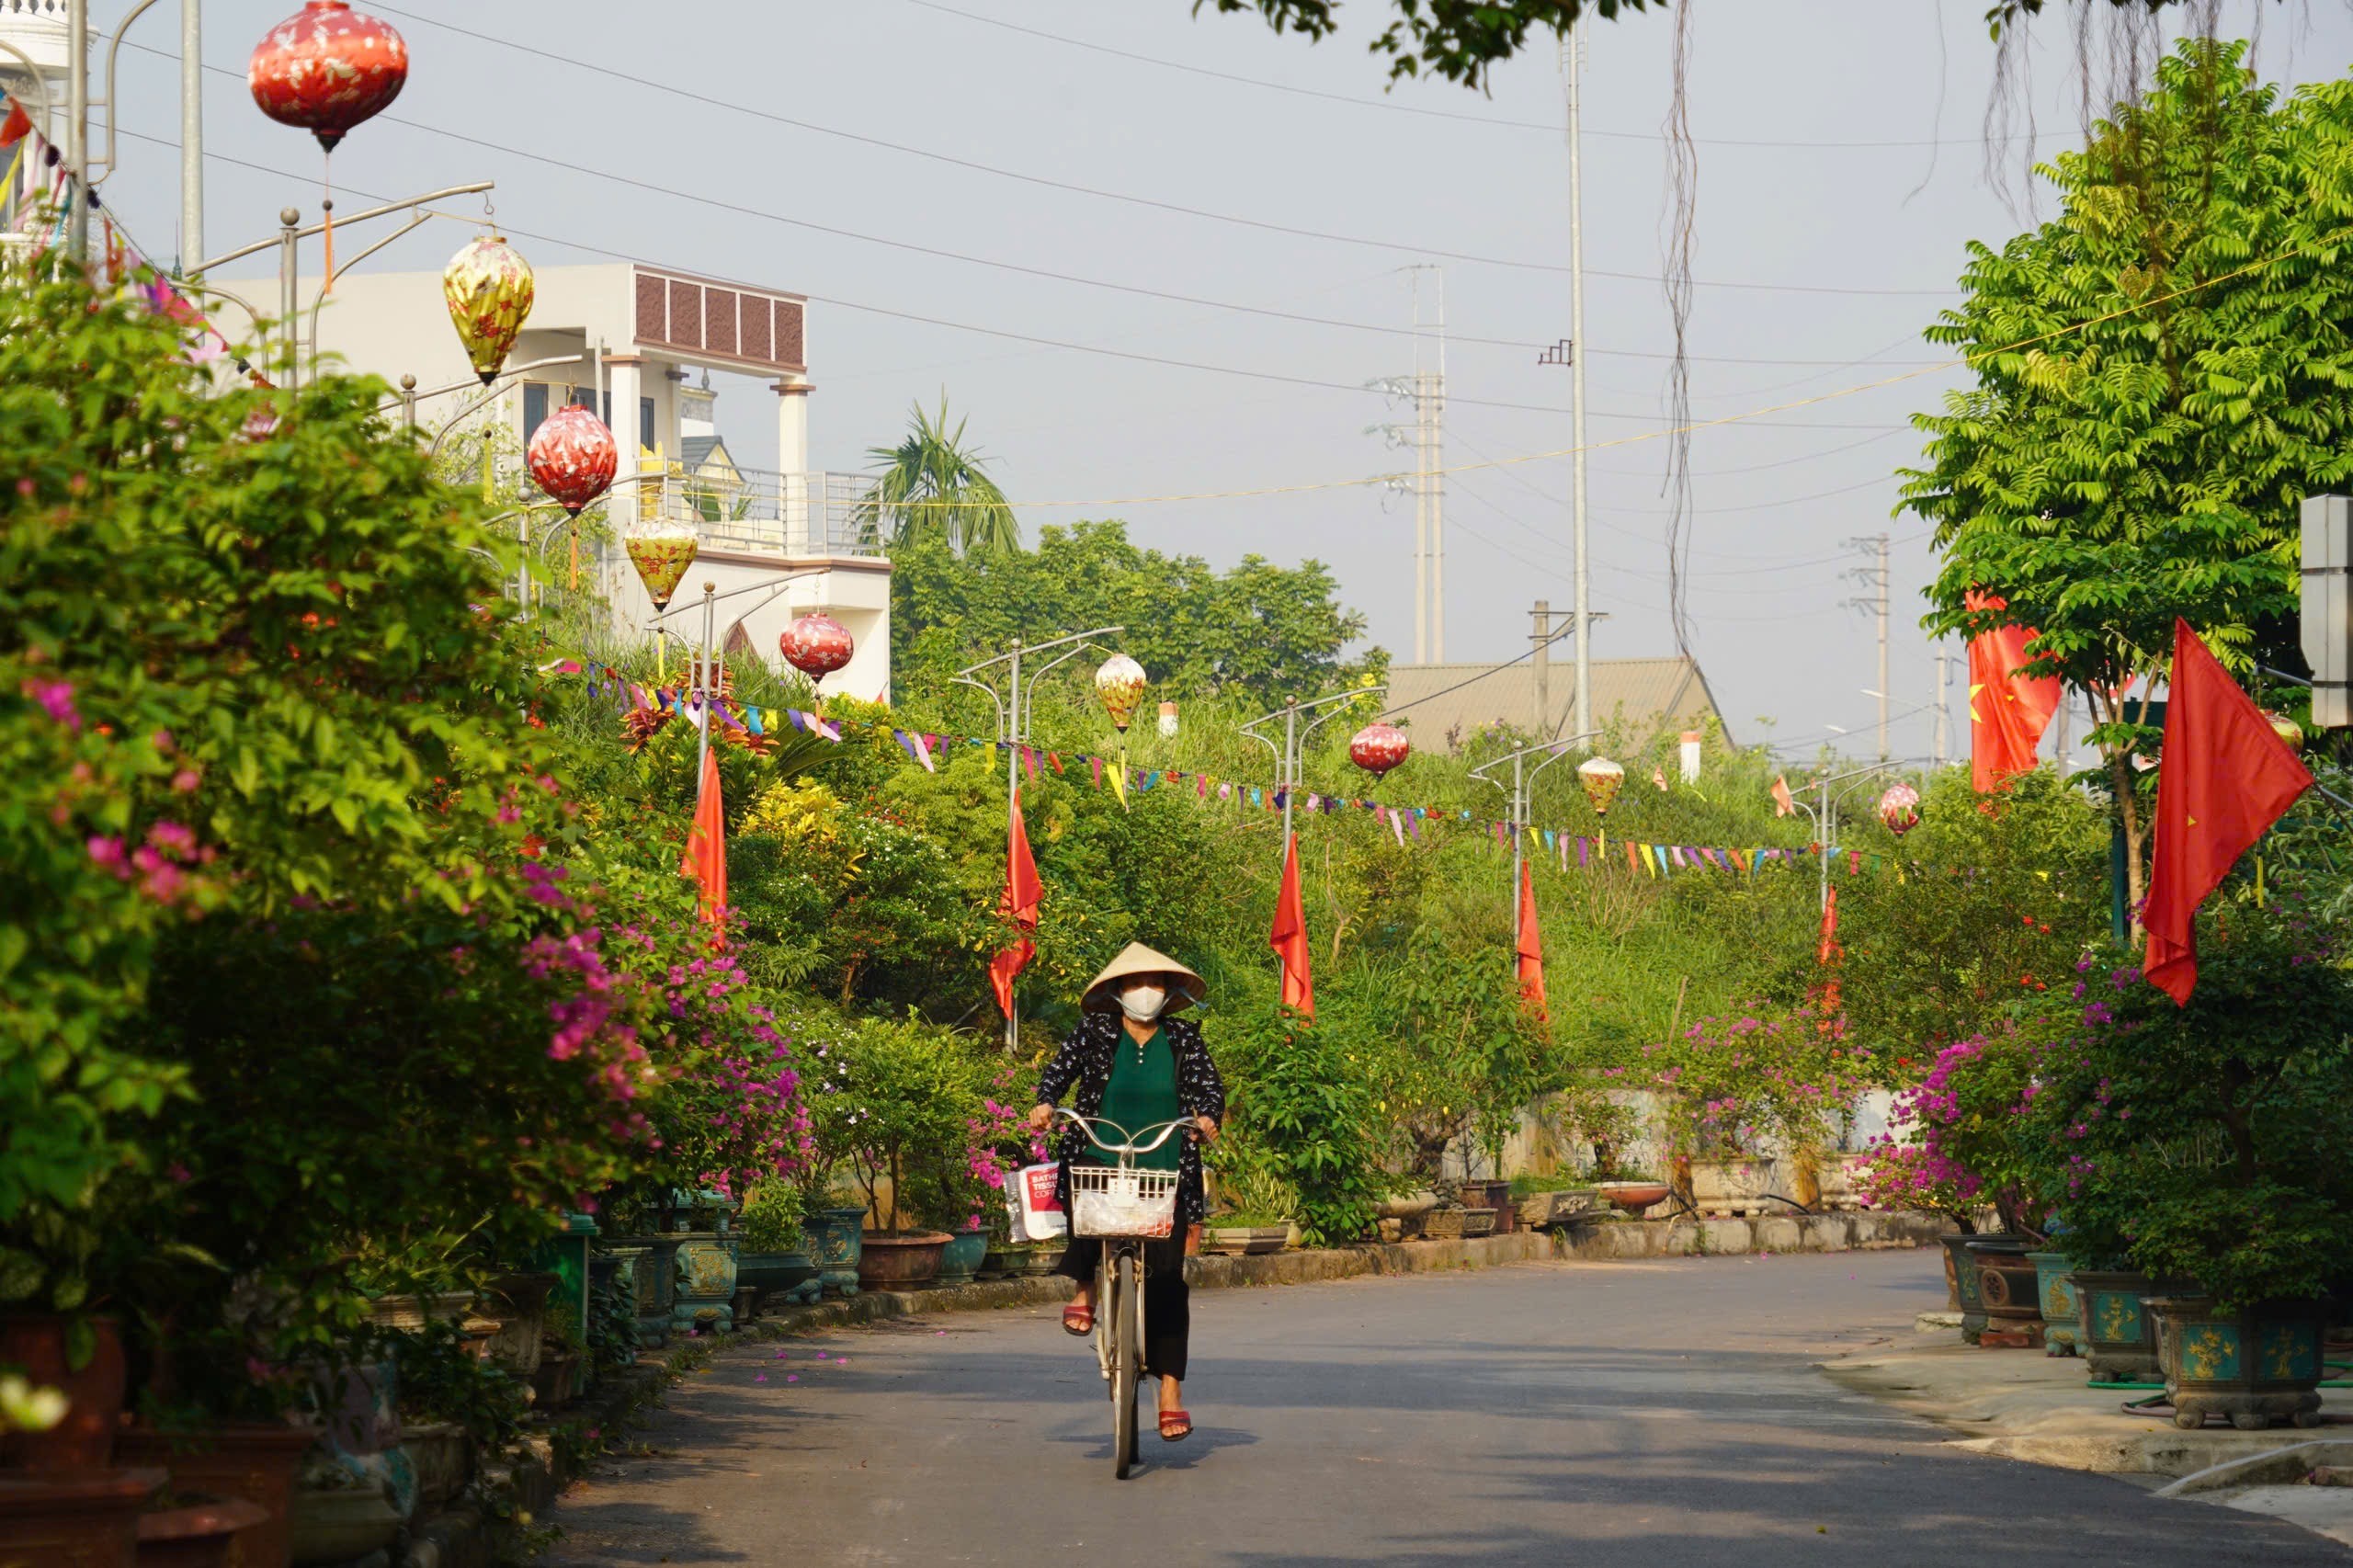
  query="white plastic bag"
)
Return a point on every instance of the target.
[{"x": 1036, "y": 1214}]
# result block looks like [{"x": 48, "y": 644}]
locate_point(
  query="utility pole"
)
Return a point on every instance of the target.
[
  {"x": 1875, "y": 577},
  {"x": 77, "y": 128},
  {"x": 191, "y": 132},
  {"x": 1572, "y": 69},
  {"x": 1540, "y": 663},
  {"x": 1426, "y": 389},
  {"x": 1943, "y": 713}
]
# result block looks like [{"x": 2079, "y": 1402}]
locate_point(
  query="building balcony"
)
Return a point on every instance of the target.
[{"x": 744, "y": 511}]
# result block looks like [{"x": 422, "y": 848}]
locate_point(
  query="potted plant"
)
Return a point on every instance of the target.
[
  {"x": 901, "y": 1097},
  {"x": 2201, "y": 1143},
  {"x": 1255, "y": 1216},
  {"x": 768, "y": 1236}
]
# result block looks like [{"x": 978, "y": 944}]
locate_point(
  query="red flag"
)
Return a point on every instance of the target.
[
  {"x": 17, "y": 125},
  {"x": 1829, "y": 953},
  {"x": 1782, "y": 805},
  {"x": 1290, "y": 938},
  {"x": 1018, "y": 904},
  {"x": 706, "y": 857},
  {"x": 2004, "y": 730},
  {"x": 2223, "y": 779},
  {"x": 1531, "y": 945}
]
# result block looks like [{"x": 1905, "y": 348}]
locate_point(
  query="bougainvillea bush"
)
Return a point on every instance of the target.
[
  {"x": 1784, "y": 1076},
  {"x": 1955, "y": 1143}
]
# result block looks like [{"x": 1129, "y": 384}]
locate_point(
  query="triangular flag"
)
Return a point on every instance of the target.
[
  {"x": 1783, "y": 806},
  {"x": 1530, "y": 955},
  {"x": 17, "y": 124},
  {"x": 1018, "y": 906},
  {"x": 705, "y": 860},
  {"x": 1289, "y": 937}
]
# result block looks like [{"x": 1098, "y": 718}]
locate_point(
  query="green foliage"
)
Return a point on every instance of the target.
[
  {"x": 770, "y": 1220},
  {"x": 441, "y": 1379},
  {"x": 891, "y": 1097},
  {"x": 1269, "y": 630},
  {"x": 933, "y": 488},
  {"x": 2203, "y": 1143},
  {"x": 1305, "y": 1102}
]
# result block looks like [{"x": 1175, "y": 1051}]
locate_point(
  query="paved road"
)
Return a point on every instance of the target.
[{"x": 1657, "y": 1415}]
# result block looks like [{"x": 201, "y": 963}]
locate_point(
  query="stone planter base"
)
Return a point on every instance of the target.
[
  {"x": 2257, "y": 1367},
  {"x": 1244, "y": 1241}
]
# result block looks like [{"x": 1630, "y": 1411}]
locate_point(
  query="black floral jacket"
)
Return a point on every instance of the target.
[{"x": 1085, "y": 1062}]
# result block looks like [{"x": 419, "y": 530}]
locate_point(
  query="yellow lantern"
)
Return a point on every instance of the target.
[
  {"x": 489, "y": 288},
  {"x": 2286, "y": 729},
  {"x": 1602, "y": 778},
  {"x": 1120, "y": 685}
]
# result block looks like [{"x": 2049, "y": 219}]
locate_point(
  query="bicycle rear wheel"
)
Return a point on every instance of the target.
[{"x": 1125, "y": 1307}]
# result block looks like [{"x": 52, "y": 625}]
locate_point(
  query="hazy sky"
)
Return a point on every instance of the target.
[{"x": 1841, "y": 172}]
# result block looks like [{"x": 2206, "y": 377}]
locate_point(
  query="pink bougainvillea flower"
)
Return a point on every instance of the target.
[
  {"x": 759, "y": 1377},
  {"x": 791, "y": 1377}
]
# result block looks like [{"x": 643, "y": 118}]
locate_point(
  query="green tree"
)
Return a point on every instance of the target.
[
  {"x": 932, "y": 486},
  {"x": 2163, "y": 372}
]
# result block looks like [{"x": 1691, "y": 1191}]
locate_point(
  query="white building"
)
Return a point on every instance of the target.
[{"x": 624, "y": 338}]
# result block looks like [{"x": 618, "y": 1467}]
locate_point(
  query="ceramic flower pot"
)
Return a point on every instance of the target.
[
  {"x": 2056, "y": 1285},
  {"x": 1961, "y": 1268},
  {"x": 2256, "y": 1366},
  {"x": 2006, "y": 1287},
  {"x": 1443, "y": 1225},
  {"x": 782, "y": 1279},
  {"x": 1632, "y": 1196},
  {"x": 1237, "y": 1240},
  {"x": 899, "y": 1263},
  {"x": 960, "y": 1260},
  {"x": 38, "y": 1345},
  {"x": 704, "y": 1270},
  {"x": 443, "y": 1456},
  {"x": 75, "y": 1519},
  {"x": 1002, "y": 1262},
  {"x": 833, "y": 1236},
  {"x": 255, "y": 1462},
  {"x": 2114, "y": 1333},
  {"x": 1479, "y": 1223},
  {"x": 519, "y": 1302},
  {"x": 339, "y": 1524},
  {"x": 202, "y": 1534}
]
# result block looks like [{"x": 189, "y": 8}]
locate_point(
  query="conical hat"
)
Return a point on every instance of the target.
[{"x": 1186, "y": 988}]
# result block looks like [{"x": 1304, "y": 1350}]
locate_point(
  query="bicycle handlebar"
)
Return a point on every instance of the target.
[{"x": 1130, "y": 1148}]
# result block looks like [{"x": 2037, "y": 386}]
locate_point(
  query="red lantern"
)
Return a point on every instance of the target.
[
  {"x": 817, "y": 645},
  {"x": 1377, "y": 748},
  {"x": 327, "y": 70},
  {"x": 572, "y": 458}
]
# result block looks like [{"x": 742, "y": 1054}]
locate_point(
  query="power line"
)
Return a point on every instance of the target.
[
  {"x": 1071, "y": 187},
  {"x": 1396, "y": 108}
]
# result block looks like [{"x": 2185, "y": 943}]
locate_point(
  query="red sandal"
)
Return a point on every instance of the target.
[
  {"x": 1176, "y": 1426},
  {"x": 1079, "y": 1320}
]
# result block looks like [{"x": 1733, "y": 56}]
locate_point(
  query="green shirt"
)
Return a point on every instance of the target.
[{"x": 1142, "y": 1093}]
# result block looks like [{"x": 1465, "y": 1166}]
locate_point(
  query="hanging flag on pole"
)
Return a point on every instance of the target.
[
  {"x": 1783, "y": 806},
  {"x": 1289, "y": 937},
  {"x": 1018, "y": 906},
  {"x": 1530, "y": 947},
  {"x": 2008, "y": 711},
  {"x": 2223, "y": 778},
  {"x": 705, "y": 861}
]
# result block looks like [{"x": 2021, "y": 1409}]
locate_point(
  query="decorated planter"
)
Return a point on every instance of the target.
[
  {"x": 38, "y": 1343},
  {"x": 337, "y": 1524},
  {"x": 833, "y": 1236},
  {"x": 1238, "y": 1241},
  {"x": 2115, "y": 1333},
  {"x": 1409, "y": 1212},
  {"x": 704, "y": 1278},
  {"x": 70, "y": 1520},
  {"x": 899, "y": 1263},
  {"x": 255, "y": 1461},
  {"x": 443, "y": 1456},
  {"x": 1491, "y": 1195},
  {"x": 655, "y": 1275},
  {"x": 1044, "y": 1257},
  {"x": 1732, "y": 1187},
  {"x": 519, "y": 1302},
  {"x": 782, "y": 1279},
  {"x": 411, "y": 1313},
  {"x": 960, "y": 1260},
  {"x": 2256, "y": 1366},
  {"x": 557, "y": 1381},
  {"x": 1960, "y": 1269},
  {"x": 2055, "y": 1292},
  {"x": 203, "y": 1534},
  {"x": 1442, "y": 1224},
  {"x": 1545, "y": 1211},
  {"x": 1478, "y": 1222},
  {"x": 1003, "y": 1261},
  {"x": 2006, "y": 1287},
  {"x": 1632, "y": 1196}
]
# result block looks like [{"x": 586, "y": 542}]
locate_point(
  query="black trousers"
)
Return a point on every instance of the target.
[{"x": 1167, "y": 1300}]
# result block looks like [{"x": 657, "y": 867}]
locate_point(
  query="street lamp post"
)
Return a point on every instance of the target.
[
  {"x": 1013, "y": 708},
  {"x": 1824, "y": 814},
  {"x": 1523, "y": 780},
  {"x": 706, "y": 684},
  {"x": 1294, "y": 741}
]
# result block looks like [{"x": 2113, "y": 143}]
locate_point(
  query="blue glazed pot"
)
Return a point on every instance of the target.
[
  {"x": 960, "y": 1258},
  {"x": 831, "y": 1235},
  {"x": 705, "y": 1270},
  {"x": 781, "y": 1277},
  {"x": 2056, "y": 1285}
]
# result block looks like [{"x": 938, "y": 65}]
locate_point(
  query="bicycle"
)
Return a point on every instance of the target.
[{"x": 1123, "y": 1207}]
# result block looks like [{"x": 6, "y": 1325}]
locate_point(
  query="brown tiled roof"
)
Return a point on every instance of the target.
[{"x": 1640, "y": 697}]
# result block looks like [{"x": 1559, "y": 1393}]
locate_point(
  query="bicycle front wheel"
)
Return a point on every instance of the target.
[{"x": 1126, "y": 1308}]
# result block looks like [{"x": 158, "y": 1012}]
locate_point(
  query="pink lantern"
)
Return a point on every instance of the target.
[
  {"x": 327, "y": 69},
  {"x": 817, "y": 645},
  {"x": 1899, "y": 809},
  {"x": 572, "y": 458},
  {"x": 1377, "y": 748}
]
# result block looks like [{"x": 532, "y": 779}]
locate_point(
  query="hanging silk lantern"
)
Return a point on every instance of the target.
[
  {"x": 1377, "y": 748},
  {"x": 489, "y": 289},
  {"x": 817, "y": 645},
  {"x": 1602, "y": 778},
  {"x": 327, "y": 69},
  {"x": 572, "y": 458},
  {"x": 1899, "y": 809},
  {"x": 2286, "y": 729},
  {"x": 1120, "y": 685},
  {"x": 661, "y": 552}
]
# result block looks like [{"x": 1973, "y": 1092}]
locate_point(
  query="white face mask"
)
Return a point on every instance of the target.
[{"x": 1142, "y": 1003}]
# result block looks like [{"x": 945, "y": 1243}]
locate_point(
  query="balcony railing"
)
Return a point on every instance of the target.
[{"x": 789, "y": 514}]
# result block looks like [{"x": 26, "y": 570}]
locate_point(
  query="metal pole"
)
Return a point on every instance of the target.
[
  {"x": 1290, "y": 769},
  {"x": 1012, "y": 798},
  {"x": 1941, "y": 715},
  {"x": 191, "y": 132},
  {"x": 1882, "y": 646},
  {"x": 290, "y": 222},
  {"x": 77, "y": 128},
  {"x": 1438, "y": 485},
  {"x": 1822, "y": 825},
  {"x": 1583, "y": 718},
  {"x": 1519, "y": 814},
  {"x": 703, "y": 682},
  {"x": 408, "y": 401},
  {"x": 1540, "y": 663}
]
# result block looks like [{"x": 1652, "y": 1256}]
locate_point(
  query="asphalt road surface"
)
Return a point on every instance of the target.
[{"x": 1659, "y": 1415}]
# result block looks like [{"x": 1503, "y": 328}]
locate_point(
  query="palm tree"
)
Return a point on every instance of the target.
[{"x": 931, "y": 486}]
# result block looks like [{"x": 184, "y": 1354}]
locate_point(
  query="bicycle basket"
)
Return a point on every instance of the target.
[{"x": 1107, "y": 1201}]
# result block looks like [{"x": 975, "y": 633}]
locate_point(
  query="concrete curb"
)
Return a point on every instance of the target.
[{"x": 2281, "y": 1467}]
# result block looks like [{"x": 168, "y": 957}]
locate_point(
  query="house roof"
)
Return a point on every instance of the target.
[
  {"x": 695, "y": 450},
  {"x": 1644, "y": 696}
]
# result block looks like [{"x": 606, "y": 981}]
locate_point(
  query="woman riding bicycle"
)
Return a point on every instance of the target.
[{"x": 1136, "y": 1066}]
